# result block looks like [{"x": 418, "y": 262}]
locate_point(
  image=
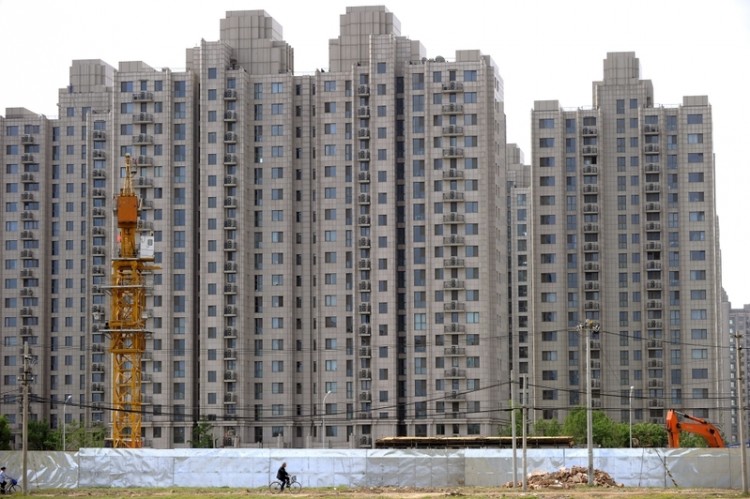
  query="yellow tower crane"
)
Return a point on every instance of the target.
[{"x": 127, "y": 322}]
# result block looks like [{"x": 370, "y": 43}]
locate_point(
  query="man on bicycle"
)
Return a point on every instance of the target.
[
  {"x": 283, "y": 476},
  {"x": 4, "y": 479}
]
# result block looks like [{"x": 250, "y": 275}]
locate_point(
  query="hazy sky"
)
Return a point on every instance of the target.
[{"x": 545, "y": 49}]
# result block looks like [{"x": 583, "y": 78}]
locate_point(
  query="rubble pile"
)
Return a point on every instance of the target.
[{"x": 566, "y": 478}]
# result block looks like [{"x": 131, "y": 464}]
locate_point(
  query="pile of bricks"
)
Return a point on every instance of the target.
[{"x": 566, "y": 478}]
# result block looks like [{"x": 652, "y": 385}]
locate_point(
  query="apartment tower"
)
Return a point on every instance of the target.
[
  {"x": 625, "y": 234},
  {"x": 332, "y": 246}
]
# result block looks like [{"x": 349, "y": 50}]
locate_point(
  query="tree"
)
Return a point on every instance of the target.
[
  {"x": 6, "y": 434},
  {"x": 202, "y": 435},
  {"x": 547, "y": 428},
  {"x": 649, "y": 435},
  {"x": 78, "y": 436},
  {"x": 605, "y": 432},
  {"x": 507, "y": 430},
  {"x": 41, "y": 436}
]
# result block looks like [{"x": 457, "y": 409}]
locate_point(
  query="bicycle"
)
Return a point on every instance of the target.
[
  {"x": 12, "y": 486},
  {"x": 294, "y": 486}
]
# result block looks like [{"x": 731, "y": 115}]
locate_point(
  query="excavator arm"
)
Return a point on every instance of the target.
[{"x": 694, "y": 425}]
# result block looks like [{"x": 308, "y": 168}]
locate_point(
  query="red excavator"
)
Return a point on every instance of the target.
[{"x": 694, "y": 425}]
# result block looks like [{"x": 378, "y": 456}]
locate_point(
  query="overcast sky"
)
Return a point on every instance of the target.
[{"x": 545, "y": 49}]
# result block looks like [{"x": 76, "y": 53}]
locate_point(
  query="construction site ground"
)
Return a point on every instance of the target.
[{"x": 401, "y": 493}]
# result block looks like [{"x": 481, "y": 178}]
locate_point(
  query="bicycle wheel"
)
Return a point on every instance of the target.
[
  {"x": 12, "y": 489},
  {"x": 295, "y": 487},
  {"x": 275, "y": 487}
]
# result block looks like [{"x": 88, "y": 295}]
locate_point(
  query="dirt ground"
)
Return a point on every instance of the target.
[{"x": 405, "y": 493}]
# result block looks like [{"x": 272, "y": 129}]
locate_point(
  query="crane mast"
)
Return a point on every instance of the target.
[{"x": 127, "y": 322}]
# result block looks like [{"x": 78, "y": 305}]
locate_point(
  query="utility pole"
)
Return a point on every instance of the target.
[
  {"x": 741, "y": 417},
  {"x": 26, "y": 378},
  {"x": 513, "y": 428},
  {"x": 587, "y": 326}
]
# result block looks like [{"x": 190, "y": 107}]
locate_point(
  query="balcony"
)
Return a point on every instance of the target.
[
  {"x": 454, "y": 262},
  {"x": 454, "y": 240},
  {"x": 454, "y": 350},
  {"x": 454, "y": 306},
  {"x": 589, "y": 131},
  {"x": 591, "y": 170},
  {"x": 143, "y": 96},
  {"x": 453, "y": 284},
  {"x": 590, "y": 247},
  {"x": 230, "y": 116},
  {"x": 651, "y": 148},
  {"x": 365, "y": 374},
  {"x": 365, "y": 352},
  {"x": 363, "y": 90},
  {"x": 27, "y": 158},
  {"x": 454, "y": 218},
  {"x": 365, "y": 330},
  {"x": 453, "y": 108},
  {"x": 364, "y": 177},
  {"x": 454, "y": 373},
  {"x": 364, "y": 242},
  {"x": 454, "y": 328},
  {"x": 453, "y": 130},
  {"x": 453, "y": 86},
  {"x": 453, "y": 152},
  {"x": 453, "y": 196},
  {"x": 364, "y": 264},
  {"x": 230, "y": 138},
  {"x": 653, "y": 285},
  {"x": 589, "y": 151},
  {"x": 591, "y": 189},
  {"x": 143, "y": 118},
  {"x": 591, "y": 208},
  {"x": 453, "y": 174},
  {"x": 364, "y": 220},
  {"x": 364, "y": 199},
  {"x": 142, "y": 138}
]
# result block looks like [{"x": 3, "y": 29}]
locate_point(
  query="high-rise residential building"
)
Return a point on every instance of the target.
[
  {"x": 357, "y": 253},
  {"x": 739, "y": 341},
  {"x": 625, "y": 234},
  {"x": 332, "y": 246}
]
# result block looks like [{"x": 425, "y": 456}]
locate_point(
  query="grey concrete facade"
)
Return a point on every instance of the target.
[{"x": 357, "y": 253}]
